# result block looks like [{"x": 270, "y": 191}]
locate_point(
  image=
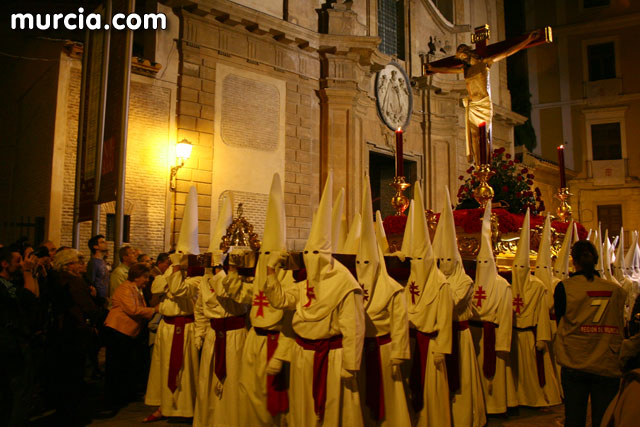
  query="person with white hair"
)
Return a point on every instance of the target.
[
  {"x": 430, "y": 310},
  {"x": 329, "y": 327},
  {"x": 465, "y": 386}
]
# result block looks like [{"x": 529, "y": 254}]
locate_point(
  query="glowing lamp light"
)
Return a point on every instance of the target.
[{"x": 183, "y": 149}]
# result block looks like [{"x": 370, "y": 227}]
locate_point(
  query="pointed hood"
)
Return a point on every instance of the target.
[
  {"x": 338, "y": 234},
  {"x": 576, "y": 235},
  {"x": 521, "y": 265},
  {"x": 561, "y": 266},
  {"x": 607, "y": 257},
  {"x": 543, "y": 261},
  {"x": 601, "y": 255},
  {"x": 225, "y": 217},
  {"x": 188, "y": 238},
  {"x": 445, "y": 242},
  {"x": 381, "y": 235},
  {"x": 274, "y": 240},
  {"x": 327, "y": 281},
  {"x": 317, "y": 251},
  {"x": 416, "y": 242},
  {"x": 619, "y": 266},
  {"x": 485, "y": 294},
  {"x": 367, "y": 258},
  {"x": 632, "y": 259},
  {"x": 353, "y": 238}
]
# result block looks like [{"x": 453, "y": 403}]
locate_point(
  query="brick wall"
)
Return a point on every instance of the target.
[{"x": 147, "y": 168}]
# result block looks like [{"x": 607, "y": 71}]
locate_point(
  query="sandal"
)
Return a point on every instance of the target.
[{"x": 156, "y": 416}]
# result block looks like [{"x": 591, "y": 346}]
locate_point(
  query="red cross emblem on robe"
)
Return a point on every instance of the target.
[
  {"x": 479, "y": 295},
  {"x": 260, "y": 301},
  {"x": 413, "y": 289},
  {"x": 310, "y": 295},
  {"x": 518, "y": 303}
]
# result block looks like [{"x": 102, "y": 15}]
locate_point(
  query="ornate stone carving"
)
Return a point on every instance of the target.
[{"x": 393, "y": 96}]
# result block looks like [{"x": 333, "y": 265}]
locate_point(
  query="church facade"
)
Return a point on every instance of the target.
[{"x": 280, "y": 86}]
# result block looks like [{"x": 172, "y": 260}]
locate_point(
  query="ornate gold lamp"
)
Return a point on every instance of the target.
[
  {"x": 399, "y": 201},
  {"x": 483, "y": 192},
  {"x": 564, "y": 210}
]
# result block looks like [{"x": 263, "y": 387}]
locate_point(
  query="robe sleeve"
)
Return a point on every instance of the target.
[
  {"x": 351, "y": 323},
  {"x": 505, "y": 321},
  {"x": 543, "y": 325},
  {"x": 399, "y": 326},
  {"x": 159, "y": 285},
  {"x": 201, "y": 320},
  {"x": 280, "y": 296},
  {"x": 237, "y": 289},
  {"x": 462, "y": 294},
  {"x": 444, "y": 321}
]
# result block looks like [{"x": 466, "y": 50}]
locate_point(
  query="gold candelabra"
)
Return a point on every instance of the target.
[
  {"x": 483, "y": 192},
  {"x": 564, "y": 210},
  {"x": 399, "y": 201}
]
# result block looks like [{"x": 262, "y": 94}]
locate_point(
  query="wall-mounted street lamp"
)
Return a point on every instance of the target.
[{"x": 183, "y": 152}]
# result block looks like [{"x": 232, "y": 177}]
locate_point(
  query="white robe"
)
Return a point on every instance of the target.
[
  {"x": 392, "y": 320},
  {"x": 216, "y": 403},
  {"x": 534, "y": 313},
  {"x": 467, "y": 403},
  {"x": 498, "y": 394},
  {"x": 342, "y": 406},
  {"x": 179, "y": 297},
  {"x": 253, "y": 377},
  {"x": 431, "y": 311}
]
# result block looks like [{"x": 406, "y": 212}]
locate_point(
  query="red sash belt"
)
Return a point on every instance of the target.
[
  {"x": 419, "y": 367},
  {"x": 177, "y": 347},
  {"x": 277, "y": 399},
  {"x": 542, "y": 380},
  {"x": 221, "y": 326},
  {"x": 489, "y": 347},
  {"x": 373, "y": 369},
  {"x": 453, "y": 359},
  {"x": 320, "y": 367}
]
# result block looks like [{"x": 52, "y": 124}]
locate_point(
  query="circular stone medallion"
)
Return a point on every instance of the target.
[{"x": 393, "y": 96}]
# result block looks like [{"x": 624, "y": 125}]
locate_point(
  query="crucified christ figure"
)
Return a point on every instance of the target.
[{"x": 475, "y": 66}]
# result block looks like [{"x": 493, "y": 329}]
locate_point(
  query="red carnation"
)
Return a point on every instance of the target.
[
  {"x": 510, "y": 162},
  {"x": 524, "y": 170},
  {"x": 470, "y": 169},
  {"x": 508, "y": 156},
  {"x": 520, "y": 178},
  {"x": 505, "y": 188},
  {"x": 516, "y": 160},
  {"x": 505, "y": 167},
  {"x": 461, "y": 178},
  {"x": 529, "y": 182}
]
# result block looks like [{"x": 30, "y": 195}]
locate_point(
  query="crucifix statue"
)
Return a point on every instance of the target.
[{"x": 475, "y": 64}]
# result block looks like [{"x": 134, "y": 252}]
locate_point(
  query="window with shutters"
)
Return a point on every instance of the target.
[
  {"x": 111, "y": 228},
  {"x": 610, "y": 218},
  {"x": 601, "y": 60},
  {"x": 605, "y": 141}
]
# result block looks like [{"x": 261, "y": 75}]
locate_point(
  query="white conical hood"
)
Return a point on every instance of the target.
[
  {"x": 353, "y": 238},
  {"x": 576, "y": 236},
  {"x": 561, "y": 266},
  {"x": 607, "y": 251},
  {"x": 317, "y": 251},
  {"x": 591, "y": 236},
  {"x": 612, "y": 249},
  {"x": 367, "y": 257},
  {"x": 419, "y": 246},
  {"x": 632, "y": 260},
  {"x": 619, "y": 266},
  {"x": 601, "y": 255},
  {"x": 445, "y": 243},
  {"x": 275, "y": 226},
  {"x": 485, "y": 295},
  {"x": 543, "y": 261},
  {"x": 188, "y": 238},
  {"x": 275, "y": 234},
  {"x": 521, "y": 266},
  {"x": 338, "y": 235},
  {"x": 225, "y": 217},
  {"x": 381, "y": 235}
]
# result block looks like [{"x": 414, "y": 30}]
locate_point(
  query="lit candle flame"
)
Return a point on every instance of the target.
[{"x": 561, "y": 146}]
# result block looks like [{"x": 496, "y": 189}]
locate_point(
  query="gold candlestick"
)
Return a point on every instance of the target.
[
  {"x": 564, "y": 210},
  {"x": 399, "y": 201},
  {"x": 483, "y": 192}
]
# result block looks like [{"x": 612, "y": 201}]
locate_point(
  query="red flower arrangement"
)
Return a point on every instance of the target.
[
  {"x": 394, "y": 224},
  {"x": 511, "y": 185}
]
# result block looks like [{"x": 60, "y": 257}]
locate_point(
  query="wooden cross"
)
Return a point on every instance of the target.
[{"x": 479, "y": 38}]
